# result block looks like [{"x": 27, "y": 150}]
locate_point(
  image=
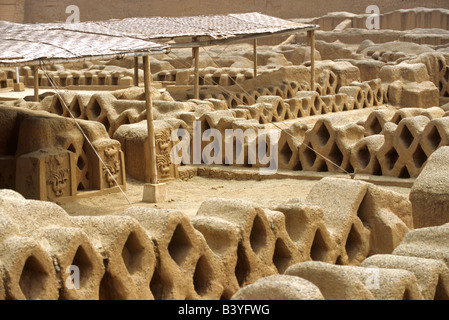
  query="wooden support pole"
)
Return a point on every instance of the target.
[
  {"x": 36, "y": 83},
  {"x": 150, "y": 124},
  {"x": 255, "y": 57},
  {"x": 311, "y": 40},
  {"x": 196, "y": 84},
  {"x": 136, "y": 71},
  {"x": 17, "y": 75}
]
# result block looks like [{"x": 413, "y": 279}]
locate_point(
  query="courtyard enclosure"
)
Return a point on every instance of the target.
[{"x": 356, "y": 207}]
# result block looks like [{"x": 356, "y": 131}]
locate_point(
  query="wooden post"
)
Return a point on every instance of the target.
[
  {"x": 17, "y": 75},
  {"x": 255, "y": 57},
  {"x": 196, "y": 84},
  {"x": 136, "y": 71},
  {"x": 36, "y": 83},
  {"x": 150, "y": 124},
  {"x": 311, "y": 40}
]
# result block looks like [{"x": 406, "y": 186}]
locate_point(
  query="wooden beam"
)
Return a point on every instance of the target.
[
  {"x": 149, "y": 107},
  {"x": 311, "y": 40},
  {"x": 255, "y": 57},
  {"x": 136, "y": 71},
  {"x": 17, "y": 75},
  {"x": 36, "y": 83},
  {"x": 216, "y": 42},
  {"x": 196, "y": 83}
]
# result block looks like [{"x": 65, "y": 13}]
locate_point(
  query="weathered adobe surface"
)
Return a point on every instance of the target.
[
  {"x": 387, "y": 143},
  {"x": 24, "y": 11},
  {"x": 230, "y": 245},
  {"x": 162, "y": 254},
  {"x": 346, "y": 240}
]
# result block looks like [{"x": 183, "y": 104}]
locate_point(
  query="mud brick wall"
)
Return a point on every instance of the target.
[
  {"x": 148, "y": 253},
  {"x": 231, "y": 249},
  {"x": 54, "y": 10}
]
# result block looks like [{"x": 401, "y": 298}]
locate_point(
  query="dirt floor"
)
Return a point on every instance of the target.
[{"x": 187, "y": 196}]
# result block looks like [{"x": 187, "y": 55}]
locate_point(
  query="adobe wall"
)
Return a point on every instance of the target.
[
  {"x": 54, "y": 10},
  {"x": 12, "y": 10}
]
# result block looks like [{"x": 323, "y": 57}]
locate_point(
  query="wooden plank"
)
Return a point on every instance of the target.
[
  {"x": 311, "y": 40},
  {"x": 255, "y": 57},
  {"x": 136, "y": 71},
  {"x": 36, "y": 83},
  {"x": 150, "y": 124},
  {"x": 196, "y": 57}
]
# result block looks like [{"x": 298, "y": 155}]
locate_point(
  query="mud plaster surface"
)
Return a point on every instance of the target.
[{"x": 187, "y": 196}]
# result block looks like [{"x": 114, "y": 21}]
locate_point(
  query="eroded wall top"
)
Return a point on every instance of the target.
[{"x": 55, "y": 10}]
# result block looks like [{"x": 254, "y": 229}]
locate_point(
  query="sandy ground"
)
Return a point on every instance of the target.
[{"x": 187, "y": 196}]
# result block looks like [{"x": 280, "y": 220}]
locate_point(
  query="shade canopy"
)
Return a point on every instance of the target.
[
  {"x": 29, "y": 44},
  {"x": 216, "y": 27}
]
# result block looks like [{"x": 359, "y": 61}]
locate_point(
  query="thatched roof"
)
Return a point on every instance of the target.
[
  {"x": 28, "y": 44},
  {"x": 214, "y": 26}
]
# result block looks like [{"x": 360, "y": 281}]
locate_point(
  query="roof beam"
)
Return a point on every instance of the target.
[{"x": 213, "y": 42}]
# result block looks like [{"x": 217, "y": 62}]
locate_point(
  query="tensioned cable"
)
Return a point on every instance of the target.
[
  {"x": 53, "y": 84},
  {"x": 282, "y": 129},
  {"x": 218, "y": 55},
  {"x": 181, "y": 60},
  {"x": 309, "y": 147},
  {"x": 233, "y": 80},
  {"x": 223, "y": 89}
]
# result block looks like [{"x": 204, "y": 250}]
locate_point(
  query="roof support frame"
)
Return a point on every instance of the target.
[{"x": 195, "y": 45}]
